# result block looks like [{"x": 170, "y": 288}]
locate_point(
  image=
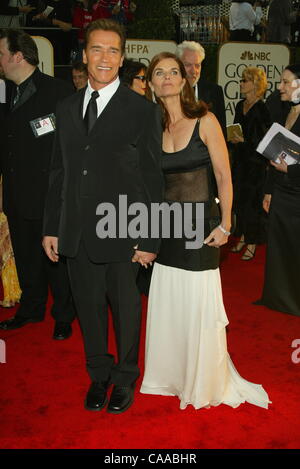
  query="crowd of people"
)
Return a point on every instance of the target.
[
  {"x": 246, "y": 21},
  {"x": 58, "y": 17},
  {"x": 65, "y": 21},
  {"x": 65, "y": 150}
]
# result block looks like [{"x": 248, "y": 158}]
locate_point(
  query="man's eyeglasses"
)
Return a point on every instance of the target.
[
  {"x": 140, "y": 77},
  {"x": 243, "y": 80}
]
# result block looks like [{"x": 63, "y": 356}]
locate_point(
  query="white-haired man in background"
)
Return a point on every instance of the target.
[{"x": 192, "y": 55}]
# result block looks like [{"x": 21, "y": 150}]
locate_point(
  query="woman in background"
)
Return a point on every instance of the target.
[
  {"x": 249, "y": 167},
  {"x": 281, "y": 289},
  {"x": 133, "y": 75},
  {"x": 186, "y": 350}
]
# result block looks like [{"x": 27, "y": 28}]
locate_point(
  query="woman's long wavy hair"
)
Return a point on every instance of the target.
[{"x": 191, "y": 108}]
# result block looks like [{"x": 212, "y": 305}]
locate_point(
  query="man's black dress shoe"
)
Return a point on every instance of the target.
[
  {"x": 62, "y": 330},
  {"x": 96, "y": 397},
  {"x": 16, "y": 322},
  {"x": 121, "y": 399}
]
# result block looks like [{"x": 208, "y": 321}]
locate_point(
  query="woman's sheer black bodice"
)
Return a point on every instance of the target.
[
  {"x": 188, "y": 172},
  {"x": 189, "y": 178}
]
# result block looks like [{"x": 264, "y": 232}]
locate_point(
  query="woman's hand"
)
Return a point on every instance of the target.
[
  {"x": 266, "y": 202},
  {"x": 282, "y": 166},
  {"x": 236, "y": 138},
  {"x": 216, "y": 238},
  {"x": 144, "y": 258}
]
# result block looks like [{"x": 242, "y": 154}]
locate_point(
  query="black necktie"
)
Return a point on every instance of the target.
[
  {"x": 16, "y": 97},
  {"x": 90, "y": 116}
]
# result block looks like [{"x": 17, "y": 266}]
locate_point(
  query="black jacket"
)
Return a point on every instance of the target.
[
  {"x": 120, "y": 156},
  {"x": 212, "y": 94},
  {"x": 25, "y": 159}
]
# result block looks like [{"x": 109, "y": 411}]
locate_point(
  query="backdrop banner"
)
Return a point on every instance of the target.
[
  {"x": 234, "y": 57},
  {"x": 45, "y": 50},
  {"x": 144, "y": 50}
]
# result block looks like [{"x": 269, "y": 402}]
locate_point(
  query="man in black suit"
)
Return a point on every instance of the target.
[
  {"x": 26, "y": 142},
  {"x": 108, "y": 144},
  {"x": 192, "y": 54}
]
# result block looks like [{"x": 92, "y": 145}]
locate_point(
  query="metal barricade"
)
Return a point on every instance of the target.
[{"x": 202, "y": 23}]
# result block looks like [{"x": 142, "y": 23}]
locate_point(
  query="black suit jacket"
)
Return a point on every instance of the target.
[
  {"x": 120, "y": 156},
  {"x": 212, "y": 94},
  {"x": 25, "y": 159}
]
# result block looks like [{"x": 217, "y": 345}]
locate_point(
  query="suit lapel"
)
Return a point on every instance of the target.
[
  {"x": 77, "y": 110},
  {"x": 108, "y": 115},
  {"x": 27, "y": 93}
]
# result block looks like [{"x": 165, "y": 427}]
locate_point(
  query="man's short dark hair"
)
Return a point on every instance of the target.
[
  {"x": 19, "y": 41},
  {"x": 105, "y": 24},
  {"x": 80, "y": 67}
]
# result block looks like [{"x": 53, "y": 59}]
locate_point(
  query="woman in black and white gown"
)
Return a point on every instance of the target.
[{"x": 186, "y": 350}]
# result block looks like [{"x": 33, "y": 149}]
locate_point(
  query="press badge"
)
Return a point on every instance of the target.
[{"x": 43, "y": 125}]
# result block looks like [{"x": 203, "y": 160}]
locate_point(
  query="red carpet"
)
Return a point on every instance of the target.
[{"x": 43, "y": 385}]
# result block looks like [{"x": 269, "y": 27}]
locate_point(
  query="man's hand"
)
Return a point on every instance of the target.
[
  {"x": 26, "y": 9},
  {"x": 50, "y": 244},
  {"x": 39, "y": 17},
  {"x": 267, "y": 202},
  {"x": 144, "y": 258},
  {"x": 62, "y": 25}
]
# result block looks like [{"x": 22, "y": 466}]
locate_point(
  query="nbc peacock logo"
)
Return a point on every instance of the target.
[
  {"x": 247, "y": 55},
  {"x": 256, "y": 55}
]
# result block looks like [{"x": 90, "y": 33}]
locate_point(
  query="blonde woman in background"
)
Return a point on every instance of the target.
[
  {"x": 249, "y": 168},
  {"x": 10, "y": 283}
]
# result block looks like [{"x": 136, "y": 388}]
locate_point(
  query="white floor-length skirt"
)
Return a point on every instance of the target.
[{"x": 186, "y": 348}]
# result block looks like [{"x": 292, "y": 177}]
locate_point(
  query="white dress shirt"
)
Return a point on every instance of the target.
[
  {"x": 105, "y": 95},
  {"x": 243, "y": 16}
]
